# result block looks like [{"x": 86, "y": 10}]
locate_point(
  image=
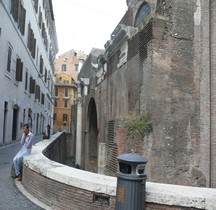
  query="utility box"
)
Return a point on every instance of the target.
[{"x": 131, "y": 182}]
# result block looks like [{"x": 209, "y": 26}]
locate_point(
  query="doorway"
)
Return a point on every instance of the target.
[
  {"x": 15, "y": 122},
  {"x": 92, "y": 143},
  {"x": 5, "y": 120}
]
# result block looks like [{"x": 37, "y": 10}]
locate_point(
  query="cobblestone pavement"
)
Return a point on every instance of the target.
[{"x": 10, "y": 196}]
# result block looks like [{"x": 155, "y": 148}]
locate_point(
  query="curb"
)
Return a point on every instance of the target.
[{"x": 30, "y": 197}]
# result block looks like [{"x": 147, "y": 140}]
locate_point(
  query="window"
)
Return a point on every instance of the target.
[
  {"x": 36, "y": 5},
  {"x": 143, "y": 15},
  {"x": 32, "y": 85},
  {"x": 37, "y": 92},
  {"x": 9, "y": 59},
  {"x": 15, "y": 9},
  {"x": 43, "y": 30},
  {"x": 19, "y": 14},
  {"x": 54, "y": 118},
  {"x": 65, "y": 103},
  {"x": 41, "y": 65},
  {"x": 42, "y": 98},
  {"x": 56, "y": 91},
  {"x": 40, "y": 18},
  {"x": 64, "y": 67},
  {"x": 26, "y": 80},
  {"x": 76, "y": 67},
  {"x": 45, "y": 75},
  {"x": 64, "y": 117},
  {"x": 31, "y": 41},
  {"x": 66, "y": 92},
  {"x": 22, "y": 20},
  {"x": 56, "y": 102},
  {"x": 19, "y": 69},
  {"x": 22, "y": 17},
  {"x": 37, "y": 56}
]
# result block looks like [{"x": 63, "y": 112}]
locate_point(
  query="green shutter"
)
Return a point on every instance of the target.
[{"x": 19, "y": 70}]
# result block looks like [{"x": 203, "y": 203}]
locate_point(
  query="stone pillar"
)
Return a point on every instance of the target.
[
  {"x": 79, "y": 125},
  {"x": 101, "y": 158},
  {"x": 85, "y": 83}
]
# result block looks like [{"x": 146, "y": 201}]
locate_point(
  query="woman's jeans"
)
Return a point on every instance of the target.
[{"x": 18, "y": 160}]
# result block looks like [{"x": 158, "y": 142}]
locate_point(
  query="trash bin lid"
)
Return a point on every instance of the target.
[{"x": 132, "y": 158}]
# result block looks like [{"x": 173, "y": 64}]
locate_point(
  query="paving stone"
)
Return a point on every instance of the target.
[{"x": 10, "y": 196}]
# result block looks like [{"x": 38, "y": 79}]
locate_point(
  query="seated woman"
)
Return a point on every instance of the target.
[{"x": 26, "y": 142}]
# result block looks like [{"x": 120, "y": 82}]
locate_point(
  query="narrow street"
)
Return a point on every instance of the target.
[{"x": 10, "y": 196}]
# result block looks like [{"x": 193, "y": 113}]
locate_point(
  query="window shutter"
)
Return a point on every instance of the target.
[
  {"x": 19, "y": 70},
  {"x": 15, "y": 9},
  {"x": 43, "y": 30},
  {"x": 22, "y": 21},
  {"x": 45, "y": 75},
  {"x": 37, "y": 93},
  {"x": 32, "y": 85},
  {"x": 9, "y": 59},
  {"x": 29, "y": 36},
  {"x": 31, "y": 41},
  {"x": 26, "y": 80},
  {"x": 40, "y": 19},
  {"x": 33, "y": 48},
  {"x": 36, "y": 5},
  {"x": 41, "y": 64},
  {"x": 42, "y": 98}
]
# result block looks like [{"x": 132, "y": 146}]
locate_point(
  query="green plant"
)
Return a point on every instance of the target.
[
  {"x": 140, "y": 125},
  {"x": 101, "y": 200}
]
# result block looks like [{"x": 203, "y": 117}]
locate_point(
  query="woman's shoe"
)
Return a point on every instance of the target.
[{"x": 19, "y": 177}]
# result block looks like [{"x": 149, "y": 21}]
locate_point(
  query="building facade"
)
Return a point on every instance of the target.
[
  {"x": 65, "y": 96},
  {"x": 160, "y": 61},
  {"x": 67, "y": 67},
  {"x": 28, "y": 45}
]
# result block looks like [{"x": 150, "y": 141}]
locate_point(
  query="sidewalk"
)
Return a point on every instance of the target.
[{"x": 10, "y": 196}]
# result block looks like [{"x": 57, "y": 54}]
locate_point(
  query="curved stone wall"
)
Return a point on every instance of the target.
[{"x": 63, "y": 187}]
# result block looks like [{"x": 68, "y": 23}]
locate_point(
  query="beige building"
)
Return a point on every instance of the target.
[{"x": 67, "y": 67}]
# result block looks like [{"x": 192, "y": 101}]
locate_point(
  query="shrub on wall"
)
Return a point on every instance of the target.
[{"x": 140, "y": 125}]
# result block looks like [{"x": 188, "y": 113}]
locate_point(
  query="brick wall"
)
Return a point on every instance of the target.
[
  {"x": 63, "y": 187},
  {"x": 172, "y": 77},
  {"x": 61, "y": 196}
]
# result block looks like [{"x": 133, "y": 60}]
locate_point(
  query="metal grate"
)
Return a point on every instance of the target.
[
  {"x": 112, "y": 147},
  {"x": 145, "y": 36}
]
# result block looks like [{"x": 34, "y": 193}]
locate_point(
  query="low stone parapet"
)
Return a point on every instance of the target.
[{"x": 63, "y": 187}]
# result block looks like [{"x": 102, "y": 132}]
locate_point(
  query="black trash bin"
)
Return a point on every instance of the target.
[{"x": 131, "y": 182}]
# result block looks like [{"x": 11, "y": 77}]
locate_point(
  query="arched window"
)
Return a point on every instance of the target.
[{"x": 142, "y": 15}]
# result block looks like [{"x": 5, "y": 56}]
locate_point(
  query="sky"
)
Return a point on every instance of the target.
[{"x": 86, "y": 24}]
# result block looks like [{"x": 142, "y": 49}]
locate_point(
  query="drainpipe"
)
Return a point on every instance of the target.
[{"x": 210, "y": 92}]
